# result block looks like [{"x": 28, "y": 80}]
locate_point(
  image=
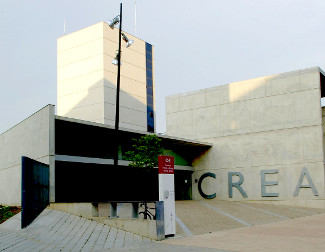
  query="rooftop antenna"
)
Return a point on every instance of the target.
[
  {"x": 135, "y": 17},
  {"x": 64, "y": 27}
]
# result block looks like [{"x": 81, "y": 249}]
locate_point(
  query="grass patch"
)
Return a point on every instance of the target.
[{"x": 7, "y": 212}]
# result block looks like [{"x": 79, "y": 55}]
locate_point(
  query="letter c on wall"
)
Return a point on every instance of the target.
[{"x": 208, "y": 174}]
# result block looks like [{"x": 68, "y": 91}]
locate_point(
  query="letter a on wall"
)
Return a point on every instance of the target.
[{"x": 311, "y": 185}]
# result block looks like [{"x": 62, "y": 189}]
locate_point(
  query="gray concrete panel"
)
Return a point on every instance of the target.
[
  {"x": 268, "y": 123},
  {"x": 34, "y": 138}
]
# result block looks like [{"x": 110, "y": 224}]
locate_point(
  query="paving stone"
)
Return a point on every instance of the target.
[
  {"x": 128, "y": 240},
  {"x": 93, "y": 237},
  {"x": 119, "y": 240},
  {"x": 200, "y": 219},
  {"x": 137, "y": 239},
  {"x": 111, "y": 238}
]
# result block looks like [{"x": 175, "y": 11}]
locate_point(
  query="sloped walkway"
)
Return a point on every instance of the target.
[
  {"x": 206, "y": 216},
  {"x": 300, "y": 234},
  {"x": 58, "y": 231},
  {"x": 206, "y": 226}
]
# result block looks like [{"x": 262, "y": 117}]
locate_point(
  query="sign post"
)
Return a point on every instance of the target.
[{"x": 167, "y": 192}]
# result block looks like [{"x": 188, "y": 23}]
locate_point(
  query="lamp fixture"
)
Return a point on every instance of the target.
[
  {"x": 115, "y": 60},
  {"x": 114, "y": 21},
  {"x": 128, "y": 41}
]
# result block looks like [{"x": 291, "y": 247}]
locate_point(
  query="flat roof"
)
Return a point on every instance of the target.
[{"x": 166, "y": 138}]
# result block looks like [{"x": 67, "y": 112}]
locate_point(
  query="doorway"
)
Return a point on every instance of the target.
[{"x": 183, "y": 185}]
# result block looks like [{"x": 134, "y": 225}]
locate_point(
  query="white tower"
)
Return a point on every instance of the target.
[{"x": 86, "y": 81}]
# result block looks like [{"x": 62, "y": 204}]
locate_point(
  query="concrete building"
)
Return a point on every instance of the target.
[
  {"x": 257, "y": 140},
  {"x": 80, "y": 158},
  {"x": 267, "y": 136},
  {"x": 86, "y": 78},
  {"x": 79, "y": 143}
]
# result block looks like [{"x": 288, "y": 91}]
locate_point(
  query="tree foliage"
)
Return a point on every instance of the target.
[{"x": 145, "y": 152}]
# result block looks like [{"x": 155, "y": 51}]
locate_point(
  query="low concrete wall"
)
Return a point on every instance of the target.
[
  {"x": 153, "y": 229},
  {"x": 146, "y": 228},
  {"x": 86, "y": 210}
]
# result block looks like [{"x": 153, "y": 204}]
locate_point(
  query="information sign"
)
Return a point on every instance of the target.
[
  {"x": 167, "y": 192},
  {"x": 166, "y": 165}
]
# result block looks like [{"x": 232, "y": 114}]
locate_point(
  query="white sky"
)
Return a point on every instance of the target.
[{"x": 198, "y": 44}]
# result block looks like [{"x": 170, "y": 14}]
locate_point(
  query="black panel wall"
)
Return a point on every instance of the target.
[{"x": 78, "y": 182}]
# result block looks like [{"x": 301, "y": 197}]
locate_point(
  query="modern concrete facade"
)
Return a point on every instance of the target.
[
  {"x": 267, "y": 137},
  {"x": 84, "y": 170},
  {"x": 34, "y": 138},
  {"x": 80, "y": 142},
  {"x": 257, "y": 140},
  {"x": 87, "y": 79},
  {"x": 80, "y": 156}
]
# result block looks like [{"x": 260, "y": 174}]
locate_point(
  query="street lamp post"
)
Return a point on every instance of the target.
[
  {"x": 117, "y": 61},
  {"x": 117, "y": 109}
]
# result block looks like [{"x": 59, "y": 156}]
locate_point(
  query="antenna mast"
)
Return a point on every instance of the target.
[
  {"x": 135, "y": 17},
  {"x": 64, "y": 27}
]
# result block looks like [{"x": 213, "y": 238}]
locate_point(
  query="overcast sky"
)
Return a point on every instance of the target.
[{"x": 198, "y": 44}]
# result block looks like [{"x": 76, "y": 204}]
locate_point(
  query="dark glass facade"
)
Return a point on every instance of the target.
[{"x": 149, "y": 78}]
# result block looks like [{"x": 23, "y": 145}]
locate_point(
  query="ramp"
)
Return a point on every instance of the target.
[{"x": 60, "y": 231}]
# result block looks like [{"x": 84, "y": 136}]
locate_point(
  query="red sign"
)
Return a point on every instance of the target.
[{"x": 166, "y": 164}]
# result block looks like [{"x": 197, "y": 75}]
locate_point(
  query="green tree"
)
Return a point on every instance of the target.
[{"x": 145, "y": 152}]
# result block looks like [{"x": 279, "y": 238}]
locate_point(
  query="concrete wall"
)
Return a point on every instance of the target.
[
  {"x": 86, "y": 210},
  {"x": 87, "y": 78},
  {"x": 146, "y": 228},
  {"x": 268, "y": 123},
  {"x": 34, "y": 138},
  {"x": 323, "y": 120}
]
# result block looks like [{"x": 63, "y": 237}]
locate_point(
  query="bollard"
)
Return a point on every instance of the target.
[
  {"x": 160, "y": 220},
  {"x": 113, "y": 210},
  {"x": 135, "y": 210}
]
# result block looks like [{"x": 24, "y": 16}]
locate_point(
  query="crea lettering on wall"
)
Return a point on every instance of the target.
[{"x": 240, "y": 184}]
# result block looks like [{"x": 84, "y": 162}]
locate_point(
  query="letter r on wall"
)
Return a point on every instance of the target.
[{"x": 237, "y": 184}]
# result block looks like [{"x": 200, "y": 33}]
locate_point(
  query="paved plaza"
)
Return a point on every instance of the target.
[
  {"x": 301, "y": 234},
  {"x": 201, "y": 226}
]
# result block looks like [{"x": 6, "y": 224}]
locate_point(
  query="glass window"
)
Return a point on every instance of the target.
[
  {"x": 149, "y": 100},
  {"x": 149, "y": 91},
  {"x": 148, "y": 48},
  {"x": 149, "y": 64},
  {"x": 151, "y": 129},
  {"x": 148, "y": 56},
  {"x": 149, "y": 73},
  {"x": 150, "y": 119},
  {"x": 149, "y": 82},
  {"x": 150, "y": 112}
]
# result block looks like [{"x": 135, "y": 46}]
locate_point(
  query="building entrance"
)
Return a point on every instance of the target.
[{"x": 183, "y": 185}]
